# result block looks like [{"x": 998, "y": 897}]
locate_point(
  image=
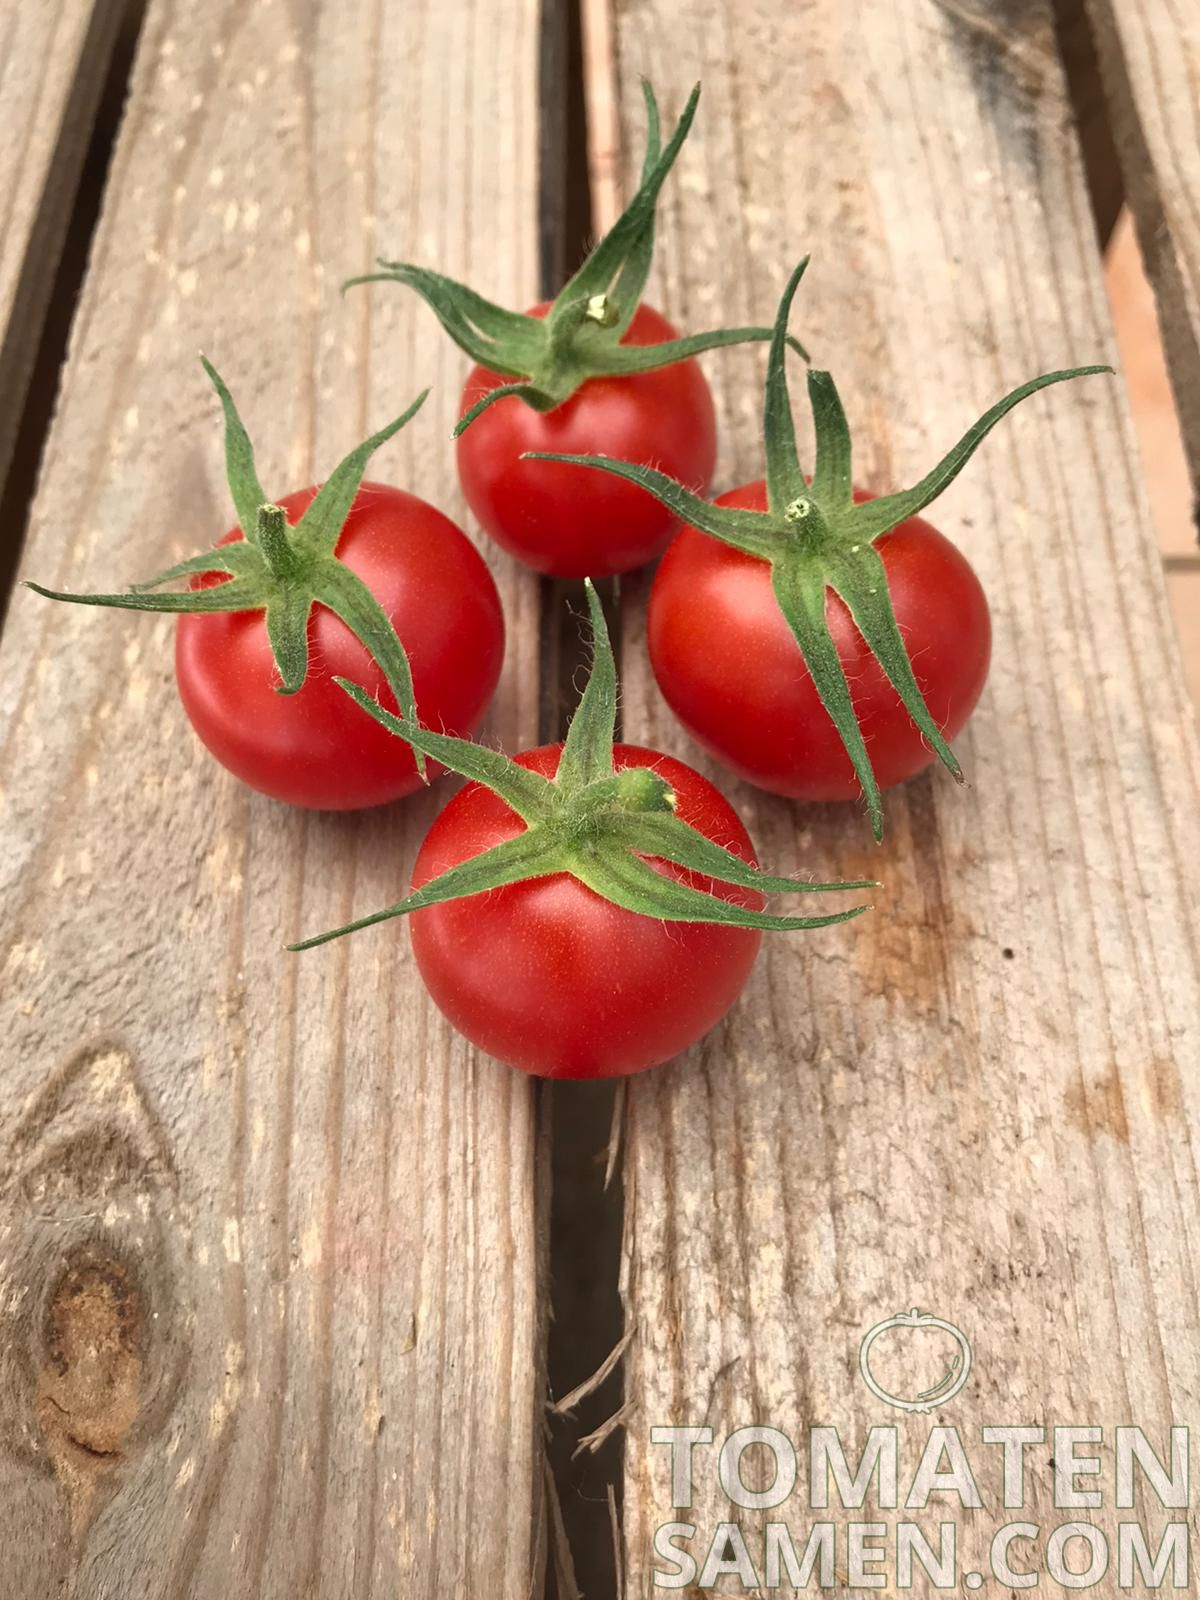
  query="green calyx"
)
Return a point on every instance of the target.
[
  {"x": 549, "y": 358},
  {"x": 817, "y": 539},
  {"x": 590, "y": 820},
  {"x": 280, "y": 568}
]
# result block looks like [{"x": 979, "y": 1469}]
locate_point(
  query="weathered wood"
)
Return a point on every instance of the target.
[
  {"x": 978, "y": 1100},
  {"x": 269, "y": 1320},
  {"x": 1183, "y": 589},
  {"x": 53, "y": 58},
  {"x": 1150, "y": 60}
]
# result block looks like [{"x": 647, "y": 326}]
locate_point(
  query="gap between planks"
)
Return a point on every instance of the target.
[
  {"x": 44, "y": 289},
  {"x": 585, "y": 1213}
]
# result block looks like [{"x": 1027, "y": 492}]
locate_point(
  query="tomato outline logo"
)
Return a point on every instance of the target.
[{"x": 946, "y": 1387}]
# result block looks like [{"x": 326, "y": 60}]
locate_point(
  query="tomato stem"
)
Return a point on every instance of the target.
[
  {"x": 273, "y": 541},
  {"x": 634, "y": 789}
]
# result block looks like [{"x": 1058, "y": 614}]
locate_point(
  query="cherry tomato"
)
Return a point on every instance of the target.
[
  {"x": 316, "y": 748},
  {"x": 730, "y": 669},
  {"x": 570, "y": 522},
  {"x": 556, "y": 980}
]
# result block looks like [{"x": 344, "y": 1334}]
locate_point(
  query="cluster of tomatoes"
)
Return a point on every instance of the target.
[{"x": 820, "y": 643}]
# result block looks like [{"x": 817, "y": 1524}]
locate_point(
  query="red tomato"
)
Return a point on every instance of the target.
[
  {"x": 556, "y": 980},
  {"x": 317, "y": 748},
  {"x": 572, "y": 522},
  {"x": 730, "y": 669}
]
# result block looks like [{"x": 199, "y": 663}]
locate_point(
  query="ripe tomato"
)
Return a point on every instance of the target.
[
  {"x": 316, "y": 748},
  {"x": 569, "y": 522},
  {"x": 729, "y": 668},
  {"x": 556, "y": 980}
]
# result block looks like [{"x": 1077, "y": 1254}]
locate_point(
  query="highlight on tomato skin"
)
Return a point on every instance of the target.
[
  {"x": 728, "y": 665},
  {"x": 313, "y": 749},
  {"x": 556, "y": 981}
]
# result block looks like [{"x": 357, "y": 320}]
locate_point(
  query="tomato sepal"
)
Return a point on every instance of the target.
[
  {"x": 631, "y": 883},
  {"x": 281, "y": 569},
  {"x": 528, "y": 392},
  {"x": 744, "y": 530},
  {"x": 241, "y": 595},
  {"x": 818, "y": 540},
  {"x": 514, "y": 861},
  {"x": 629, "y": 359},
  {"x": 508, "y": 342},
  {"x": 587, "y": 752},
  {"x": 222, "y": 559},
  {"x": 241, "y": 471},
  {"x": 550, "y": 357},
  {"x": 532, "y": 801},
  {"x": 592, "y": 821},
  {"x": 286, "y": 622},
  {"x": 800, "y": 591},
  {"x": 662, "y": 834}
]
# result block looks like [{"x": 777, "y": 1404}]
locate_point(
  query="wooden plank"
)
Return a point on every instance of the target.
[
  {"x": 53, "y": 60},
  {"x": 1183, "y": 588},
  {"x": 977, "y": 1101},
  {"x": 1150, "y": 60},
  {"x": 269, "y": 1320}
]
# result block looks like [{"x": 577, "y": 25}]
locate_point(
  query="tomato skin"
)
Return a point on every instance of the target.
[
  {"x": 557, "y": 981},
  {"x": 729, "y": 668},
  {"x": 316, "y": 748},
  {"x": 574, "y": 522}
]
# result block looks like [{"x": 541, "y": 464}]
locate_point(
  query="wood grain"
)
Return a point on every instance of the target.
[
  {"x": 269, "y": 1321},
  {"x": 981, "y": 1100},
  {"x": 53, "y": 58},
  {"x": 1150, "y": 59},
  {"x": 1183, "y": 590}
]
